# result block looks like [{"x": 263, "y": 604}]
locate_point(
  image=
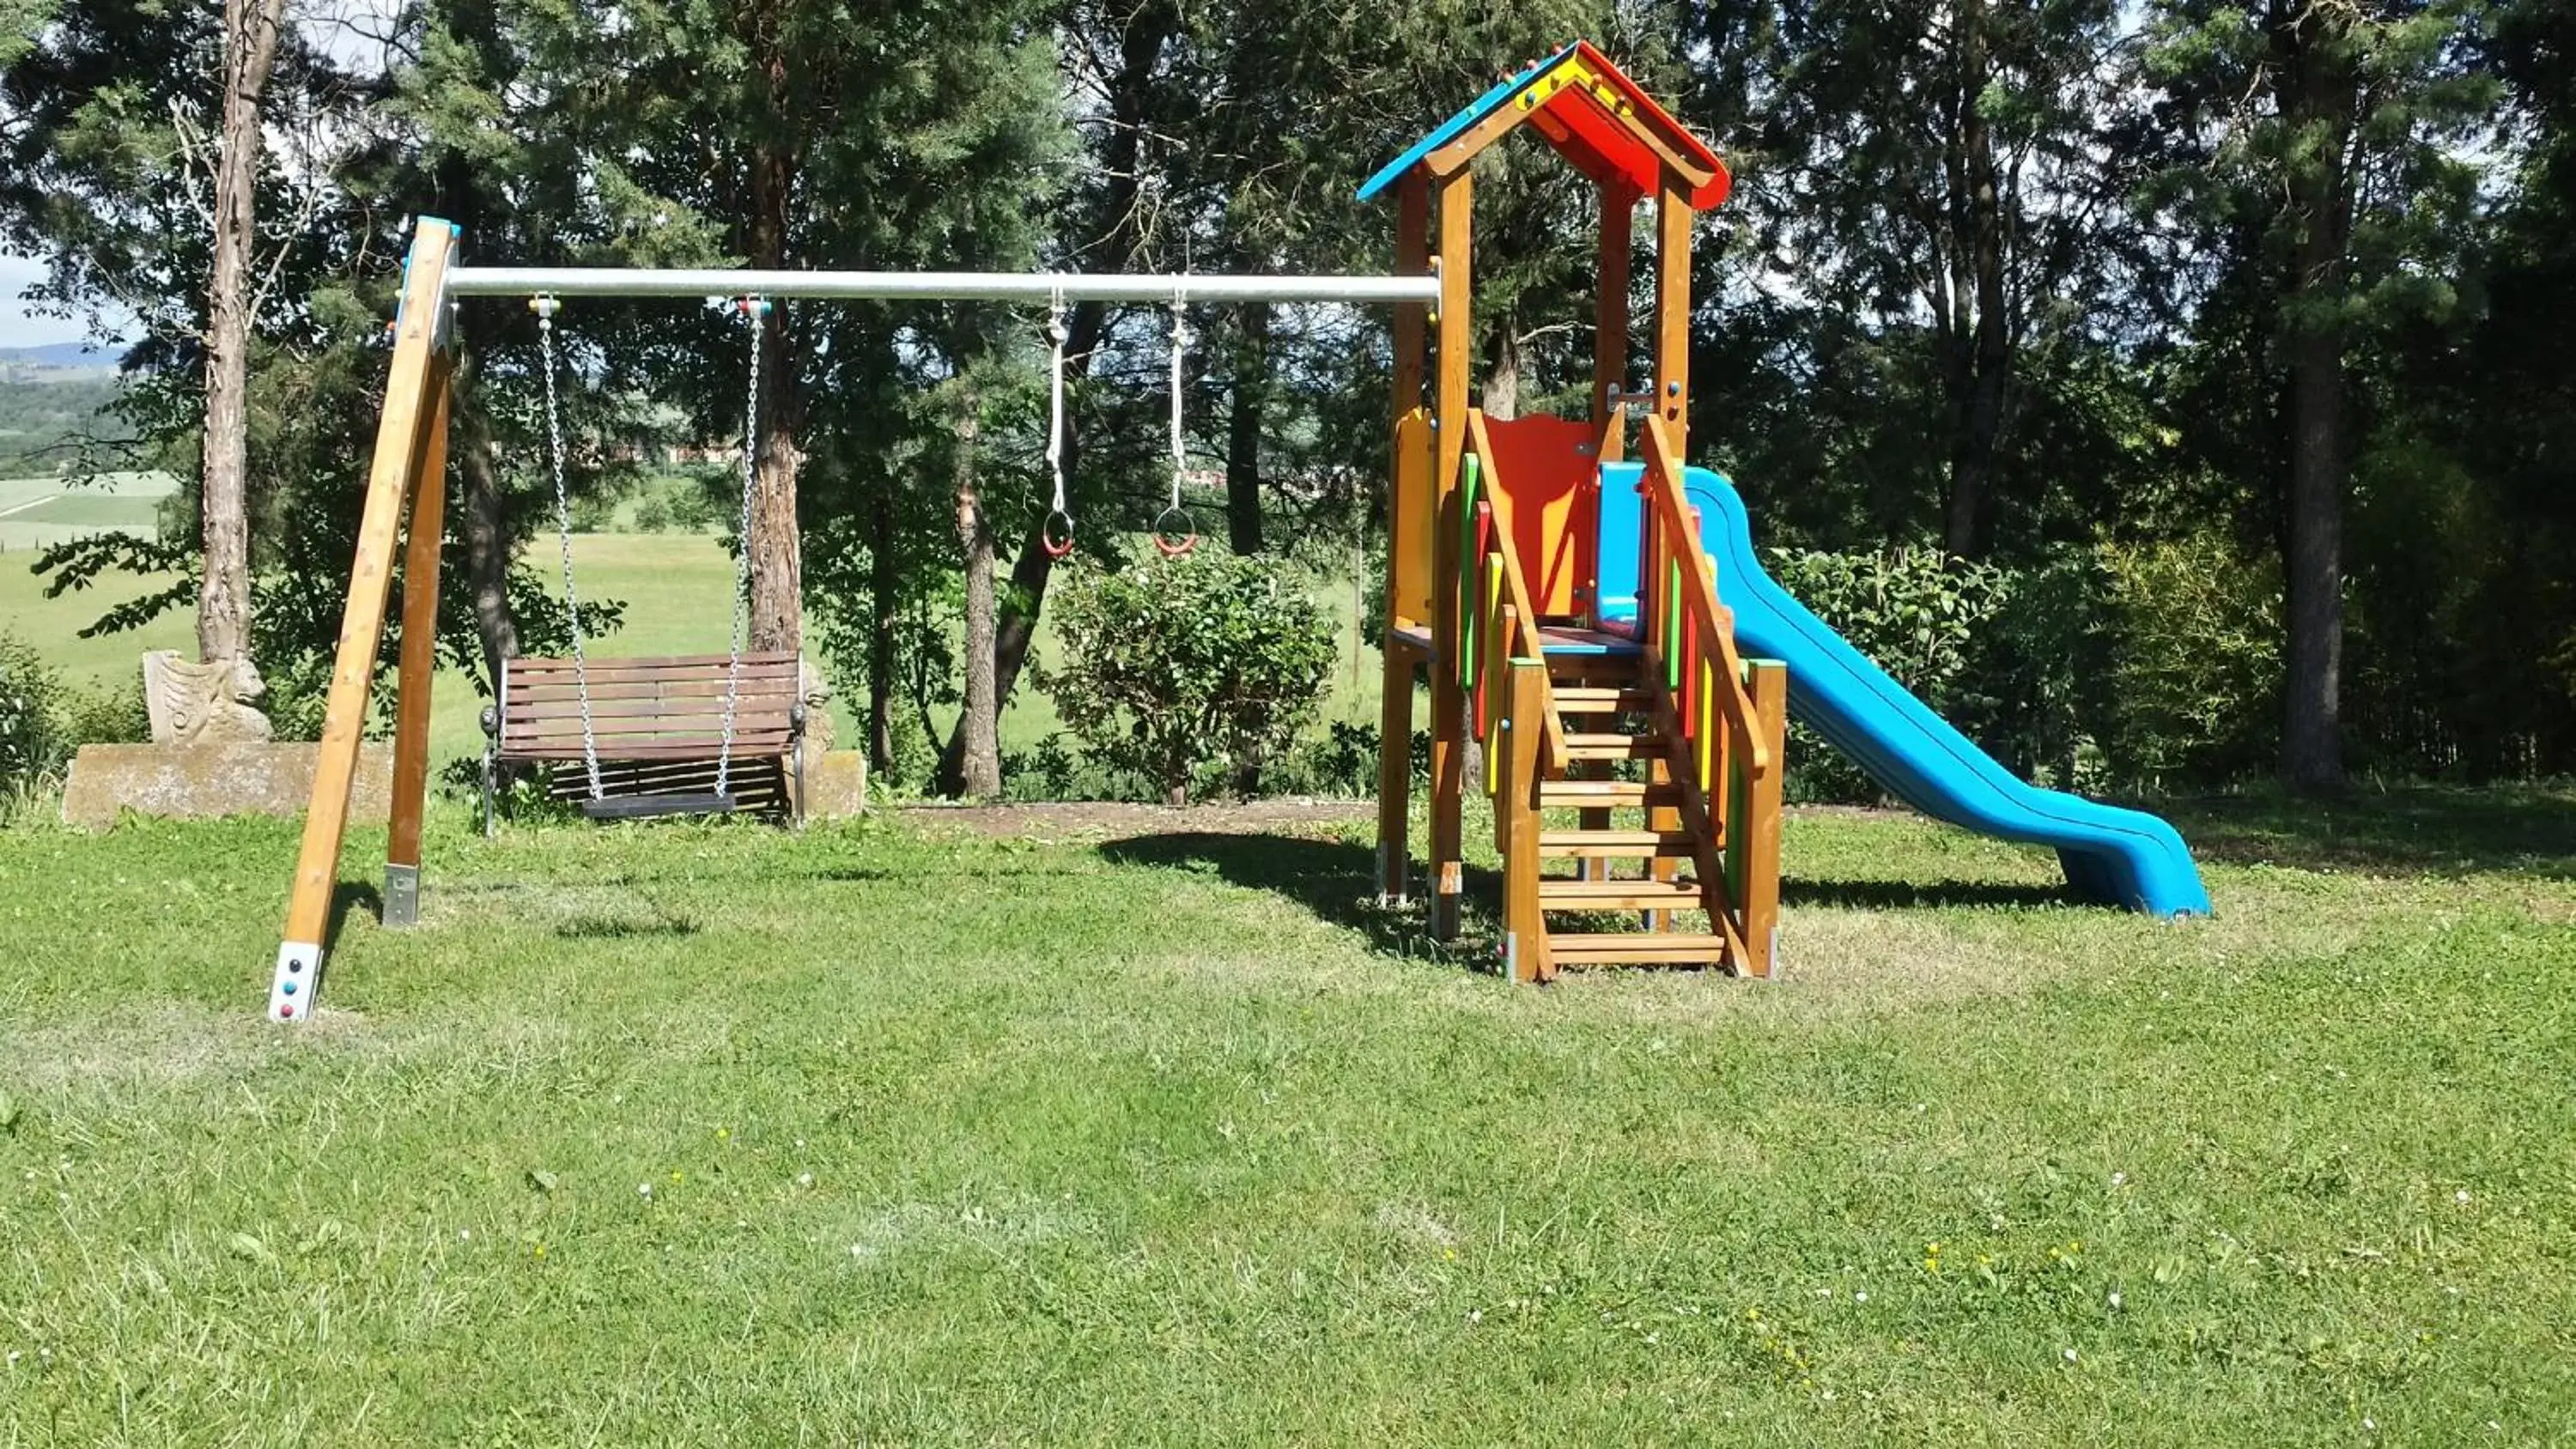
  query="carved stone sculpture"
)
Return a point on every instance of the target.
[{"x": 202, "y": 703}]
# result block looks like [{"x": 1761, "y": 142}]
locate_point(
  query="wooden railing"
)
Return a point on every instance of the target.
[
  {"x": 1690, "y": 633},
  {"x": 1495, "y": 616}
]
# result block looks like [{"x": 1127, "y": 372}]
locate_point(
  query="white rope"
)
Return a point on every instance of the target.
[
  {"x": 1180, "y": 344},
  {"x": 1056, "y": 338}
]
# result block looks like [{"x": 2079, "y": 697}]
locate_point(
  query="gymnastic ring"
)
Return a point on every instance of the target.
[
  {"x": 1174, "y": 542},
  {"x": 1058, "y": 542}
]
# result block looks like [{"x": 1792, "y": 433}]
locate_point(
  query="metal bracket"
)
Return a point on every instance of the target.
[
  {"x": 298, "y": 981},
  {"x": 402, "y": 895}
]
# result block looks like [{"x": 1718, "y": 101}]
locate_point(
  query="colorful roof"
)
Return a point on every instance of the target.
[{"x": 1594, "y": 116}]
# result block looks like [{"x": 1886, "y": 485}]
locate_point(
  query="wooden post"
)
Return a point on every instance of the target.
[
  {"x": 1672, "y": 402},
  {"x": 1760, "y": 899},
  {"x": 1525, "y": 953},
  {"x": 1610, "y": 325},
  {"x": 1673, "y": 218},
  {"x": 399, "y": 442},
  {"x": 419, "y": 660},
  {"x": 1449, "y": 423},
  {"x": 1395, "y": 711},
  {"x": 1609, "y": 378}
]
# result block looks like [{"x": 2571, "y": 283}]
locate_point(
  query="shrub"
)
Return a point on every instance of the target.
[
  {"x": 1178, "y": 664},
  {"x": 106, "y": 716},
  {"x": 2194, "y": 677},
  {"x": 32, "y": 740},
  {"x": 1913, "y": 612}
]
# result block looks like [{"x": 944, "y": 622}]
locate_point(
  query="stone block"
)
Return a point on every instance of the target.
[
  {"x": 203, "y": 781},
  {"x": 836, "y": 785}
]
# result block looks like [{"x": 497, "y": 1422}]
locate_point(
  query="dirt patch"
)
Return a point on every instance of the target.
[{"x": 1083, "y": 821}]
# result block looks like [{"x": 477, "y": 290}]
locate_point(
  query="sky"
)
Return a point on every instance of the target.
[{"x": 17, "y": 329}]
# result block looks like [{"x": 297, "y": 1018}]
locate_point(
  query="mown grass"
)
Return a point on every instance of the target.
[{"x": 1180, "y": 1140}]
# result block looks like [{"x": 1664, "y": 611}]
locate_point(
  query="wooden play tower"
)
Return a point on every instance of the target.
[{"x": 1623, "y": 738}]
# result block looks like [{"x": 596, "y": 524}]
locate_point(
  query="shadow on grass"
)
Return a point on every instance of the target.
[
  {"x": 2420, "y": 830},
  {"x": 349, "y": 896},
  {"x": 1892, "y": 895},
  {"x": 1332, "y": 878}
]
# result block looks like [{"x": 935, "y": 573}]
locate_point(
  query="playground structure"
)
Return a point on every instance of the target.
[{"x": 1564, "y": 600}]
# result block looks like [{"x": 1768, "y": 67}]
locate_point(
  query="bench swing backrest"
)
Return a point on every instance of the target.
[{"x": 647, "y": 709}]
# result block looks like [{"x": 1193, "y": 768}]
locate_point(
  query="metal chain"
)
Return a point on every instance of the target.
[
  {"x": 544, "y": 307},
  {"x": 753, "y": 310}
]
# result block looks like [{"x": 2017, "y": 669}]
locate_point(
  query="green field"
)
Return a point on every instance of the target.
[
  {"x": 720, "y": 1135},
  {"x": 676, "y": 589}
]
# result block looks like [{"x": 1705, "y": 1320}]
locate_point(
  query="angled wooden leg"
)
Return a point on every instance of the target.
[
  {"x": 419, "y": 662},
  {"x": 1760, "y": 897},
  {"x": 399, "y": 441}
]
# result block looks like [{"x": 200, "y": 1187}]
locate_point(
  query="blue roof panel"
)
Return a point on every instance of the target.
[{"x": 1449, "y": 130}]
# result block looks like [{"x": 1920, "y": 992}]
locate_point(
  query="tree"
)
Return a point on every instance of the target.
[
  {"x": 2324, "y": 141},
  {"x": 251, "y": 31}
]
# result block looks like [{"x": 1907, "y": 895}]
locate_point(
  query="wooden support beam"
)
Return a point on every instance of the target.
[
  {"x": 1395, "y": 711},
  {"x": 1673, "y": 217},
  {"x": 1412, "y": 259},
  {"x": 399, "y": 442},
  {"x": 1455, "y": 342},
  {"x": 1759, "y": 836},
  {"x": 419, "y": 659},
  {"x": 1525, "y": 945},
  {"x": 1610, "y": 322}
]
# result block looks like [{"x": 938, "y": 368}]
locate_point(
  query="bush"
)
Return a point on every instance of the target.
[
  {"x": 2194, "y": 674},
  {"x": 32, "y": 740},
  {"x": 1180, "y": 664},
  {"x": 108, "y": 716},
  {"x": 1913, "y": 612}
]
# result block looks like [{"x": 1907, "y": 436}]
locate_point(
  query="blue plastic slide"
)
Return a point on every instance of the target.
[{"x": 2115, "y": 856}]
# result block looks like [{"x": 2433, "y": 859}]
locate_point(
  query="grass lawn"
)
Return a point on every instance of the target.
[{"x": 894, "y": 1133}]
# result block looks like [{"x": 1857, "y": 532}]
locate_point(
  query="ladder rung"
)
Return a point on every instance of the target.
[
  {"x": 1601, "y": 699},
  {"x": 1615, "y": 747},
  {"x": 1618, "y": 895},
  {"x": 1624, "y": 844},
  {"x": 1606, "y": 794},
  {"x": 1582, "y": 950}
]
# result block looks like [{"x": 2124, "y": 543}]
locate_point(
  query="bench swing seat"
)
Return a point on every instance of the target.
[{"x": 659, "y": 728}]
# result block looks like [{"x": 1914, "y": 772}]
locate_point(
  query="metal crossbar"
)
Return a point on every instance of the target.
[{"x": 954, "y": 286}]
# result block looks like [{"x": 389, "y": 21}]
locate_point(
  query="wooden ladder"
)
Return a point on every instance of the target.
[{"x": 1625, "y": 831}]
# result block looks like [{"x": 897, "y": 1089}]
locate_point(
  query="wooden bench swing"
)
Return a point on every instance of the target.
[{"x": 653, "y": 736}]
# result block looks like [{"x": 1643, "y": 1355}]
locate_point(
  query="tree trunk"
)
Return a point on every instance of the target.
[
  {"x": 777, "y": 574},
  {"x": 1243, "y": 429},
  {"x": 886, "y": 608},
  {"x": 1501, "y": 399},
  {"x": 979, "y": 773},
  {"x": 2322, "y": 97},
  {"x": 1980, "y": 408},
  {"x": 484, "y": 527},
  {"x": 223, "y": 599},
  {"x": 1149, "y": 29}
]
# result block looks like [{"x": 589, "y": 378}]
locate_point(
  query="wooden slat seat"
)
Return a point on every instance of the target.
[{"x": 658, "y": 723}]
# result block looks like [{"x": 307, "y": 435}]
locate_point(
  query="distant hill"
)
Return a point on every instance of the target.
[{"x": 62, "y": 356}]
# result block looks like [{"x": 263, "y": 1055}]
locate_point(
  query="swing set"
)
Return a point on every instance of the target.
[{"x": 645, "y": 732}]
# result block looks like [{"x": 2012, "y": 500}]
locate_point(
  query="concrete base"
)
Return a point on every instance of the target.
[
  {"x": 201, "y": 781},
  {"x": 836, "y": 785}
]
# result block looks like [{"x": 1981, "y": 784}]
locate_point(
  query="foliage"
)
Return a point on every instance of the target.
[
  {"x": 1178, "y": 664},
  {"x": 33, "y": 741},
  {"x": 2196, "y": 666},
  {"x": 1911, "y": 611}
]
